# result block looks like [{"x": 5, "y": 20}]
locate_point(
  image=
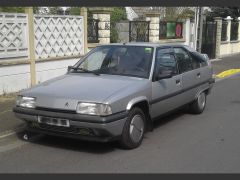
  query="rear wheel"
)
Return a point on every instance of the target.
[
  {"x": 134, "y": 128},
  {"x": 199, "y": 104}
]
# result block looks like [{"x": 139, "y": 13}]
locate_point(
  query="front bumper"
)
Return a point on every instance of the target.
[{"x": 86, "y": 127}]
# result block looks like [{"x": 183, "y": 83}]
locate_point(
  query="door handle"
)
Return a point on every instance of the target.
[
  {"x": 178, "y": 81},
  {"x": 198, "y": 74}
]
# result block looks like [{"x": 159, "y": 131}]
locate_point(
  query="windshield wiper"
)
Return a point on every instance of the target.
[{"x": 82, "y": 69}]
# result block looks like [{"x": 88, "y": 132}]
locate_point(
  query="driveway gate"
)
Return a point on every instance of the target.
[
  {"x": 139, "y": 31},
  {"x": 209, "y": 39}
]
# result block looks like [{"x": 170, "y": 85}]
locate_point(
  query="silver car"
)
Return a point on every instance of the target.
[{"x": 116, "y": 91}]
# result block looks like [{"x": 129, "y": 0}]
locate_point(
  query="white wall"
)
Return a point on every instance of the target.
[
  {"x": 229, "y": 48},
  {"x": 17, "y": 77}
]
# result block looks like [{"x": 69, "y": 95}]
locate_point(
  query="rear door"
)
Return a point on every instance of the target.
[
  {"x": 165, "y": 92},
  {"x": 191, "y": 73}
]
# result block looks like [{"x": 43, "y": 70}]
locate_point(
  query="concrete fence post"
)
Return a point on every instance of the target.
[
  {"x": 83, "y": 12},
  {"x": 103, "y": 15},
  {"x": 31, "y": 46},
  {"x": 187, "y": 32},
  {"x": 228, "y": 19},
  {"x": 154, "y": 19},
  {"x": 218, "y": 20},
  {"x": 238, "y": 28}
]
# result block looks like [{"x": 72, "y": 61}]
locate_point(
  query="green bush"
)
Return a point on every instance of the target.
[{"x": 118, "y": 14}]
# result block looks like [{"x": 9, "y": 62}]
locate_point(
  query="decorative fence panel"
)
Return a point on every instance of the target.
[
  {"x": 58, "y": 36},
  {"x": 13, "y": 35},
  {"x": 93, "y": 30},
  {"x": 139, "y": 31}
]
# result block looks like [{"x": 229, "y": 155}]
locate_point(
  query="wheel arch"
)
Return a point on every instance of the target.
[{"x": 143, "y": 104}]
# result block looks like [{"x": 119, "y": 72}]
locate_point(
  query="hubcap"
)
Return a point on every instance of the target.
[
  {"x": 136, "y": 128},
  {"x": 201, "y": 100}
]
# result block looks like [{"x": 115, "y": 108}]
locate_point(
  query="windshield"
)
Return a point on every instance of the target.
[{"x": 118, "y": 60}]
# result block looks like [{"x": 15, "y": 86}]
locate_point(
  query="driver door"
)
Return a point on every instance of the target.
[{"x": 166, "y": 93}]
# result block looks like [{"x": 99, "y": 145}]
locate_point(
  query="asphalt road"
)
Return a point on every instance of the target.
[{"x": 180, "y": 143}]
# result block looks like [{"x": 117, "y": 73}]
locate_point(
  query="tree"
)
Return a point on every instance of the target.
[
  {"x": 17, "y": 9},
  {"x": 55, "y": 10},
  {"x": 176, "y": 13},
  {"x": 74, "y": 10},
  {"x": 12, "y": 9},
  {"x": 118, "y": 14},
  {"x": 223, "y": 12}
]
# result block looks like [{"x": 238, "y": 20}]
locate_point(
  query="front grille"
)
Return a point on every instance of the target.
[
  {"x": 56, "y": 110},
  {"x": 70, "y": 130}
]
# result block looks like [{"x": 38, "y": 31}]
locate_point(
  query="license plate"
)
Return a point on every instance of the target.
[{"x": 54, "y": 121}]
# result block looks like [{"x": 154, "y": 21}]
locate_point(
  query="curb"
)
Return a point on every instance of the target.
[
  {"x": 227, "y": 73},
  {"x": 214, "y": 60},
  {"x": 226, "y": 77}
]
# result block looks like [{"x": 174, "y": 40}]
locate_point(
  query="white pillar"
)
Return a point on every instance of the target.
[
  {"x": 218, "y": 20},
  {"x": 103, "y": 15},
  {"x": 187, "y": 31},
  {"x": 154, "y": 19},
  {"x": 228, "y": 19}
]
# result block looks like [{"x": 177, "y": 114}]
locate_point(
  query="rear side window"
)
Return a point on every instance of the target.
[
  {"x": 197, "y": 56},
  {"x": 183, "y": 59}
]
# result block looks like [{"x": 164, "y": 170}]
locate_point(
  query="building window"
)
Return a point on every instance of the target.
[{"x": 170, "y": 30}]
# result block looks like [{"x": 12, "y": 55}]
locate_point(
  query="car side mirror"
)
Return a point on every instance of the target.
[
  {"x": 165, "y": 74},
  {"x": 69, "y": 68}
]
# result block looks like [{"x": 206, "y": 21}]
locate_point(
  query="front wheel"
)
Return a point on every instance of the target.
[
  {"x": 133, "y": 130},
  {"x": 199, "y": 104}
]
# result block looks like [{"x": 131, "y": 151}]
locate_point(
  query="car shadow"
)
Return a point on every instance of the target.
[
  {"x": 88, "y": 146},
  {"x": 68, "y": 143},
  {"x": 170, "y": 117}
]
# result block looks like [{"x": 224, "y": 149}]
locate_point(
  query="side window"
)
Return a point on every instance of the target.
[
  {"x": 165, "y": 60},
  {"x": 183, "y": 59}
]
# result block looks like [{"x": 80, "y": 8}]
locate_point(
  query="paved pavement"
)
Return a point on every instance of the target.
[
  {"x": 230, "y": 62},
  {"x": 180, "y": 143},
  {"x": 9, "y": 123}
]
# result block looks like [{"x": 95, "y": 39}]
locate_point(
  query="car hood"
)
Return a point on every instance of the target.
[{"x": 66, "y": 91}]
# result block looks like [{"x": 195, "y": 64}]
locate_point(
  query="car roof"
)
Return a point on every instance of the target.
[{"x": 148, "y": 44}]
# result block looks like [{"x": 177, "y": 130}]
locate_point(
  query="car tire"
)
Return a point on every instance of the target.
[
  {"x": 133, "y": 130},
  {"x": 199, "y": 104}
]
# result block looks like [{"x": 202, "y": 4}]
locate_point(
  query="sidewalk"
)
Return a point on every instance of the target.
[
  {"x": 230, "y": 62},
  {"x": 9, "y": 123}
]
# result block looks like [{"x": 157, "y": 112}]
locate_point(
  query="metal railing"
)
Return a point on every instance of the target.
[
  {"x": 224, "y": 36},
  {"x": 139, "y": 31},
  {"x": 93, "y": 30},
  {"x": 234, "y": 31}
]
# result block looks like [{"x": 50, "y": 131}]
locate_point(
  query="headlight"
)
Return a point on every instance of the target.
[
  {"x": 27, "y": 102},
  {"x": 94, "y": 109}
]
